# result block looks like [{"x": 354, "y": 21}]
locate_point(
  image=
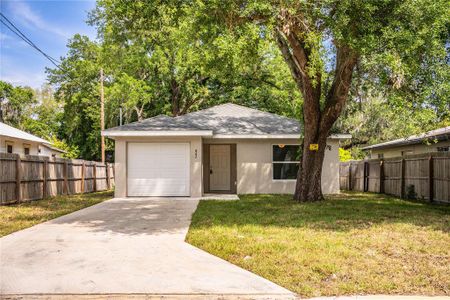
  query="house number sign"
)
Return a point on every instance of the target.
[{"x": 314, "y": 147}]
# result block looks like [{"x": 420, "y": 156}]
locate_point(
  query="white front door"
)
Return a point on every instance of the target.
[
  {"x": 158, "y": 169},
  {"x": 219, "y": 164}
]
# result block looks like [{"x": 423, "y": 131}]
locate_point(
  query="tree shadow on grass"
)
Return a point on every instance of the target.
[{"x": 337, "y": 213}]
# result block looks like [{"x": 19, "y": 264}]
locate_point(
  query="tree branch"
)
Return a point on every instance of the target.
[
  {"x": 288, "y": 58},
  {"x": 346, "y": 60}
]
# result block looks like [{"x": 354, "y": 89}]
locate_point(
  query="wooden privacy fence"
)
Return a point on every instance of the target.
[
  {"x": 422, "y": 176},
  {"x": 26, "y": 178}
]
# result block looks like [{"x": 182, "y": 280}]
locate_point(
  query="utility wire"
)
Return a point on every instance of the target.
[
  {"x": 22, "y": 36},
  {"x": 25, "y": 38}
]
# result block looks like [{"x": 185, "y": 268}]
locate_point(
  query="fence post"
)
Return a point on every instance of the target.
[
  {"x": 350, "y": 176},
  {"x": 44, "y": 174},
  {"x": 430, "y": 179},
  {"x": 18, "y": 179},
  {"x": 82, "y": 176},
  {"x": 366, "y": 176},
  {"x": 66, "y": 177},
  {"x": 108, "y": 186},
  {"x": 94, "y": 171},
  {"x": 381, "y": 176},
  {"x": 402, "y": 179}
]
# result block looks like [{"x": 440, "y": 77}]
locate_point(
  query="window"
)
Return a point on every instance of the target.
[
  {"x": 9, "y": 147},
  {"x": 285, "y": 161},
  {"x": 443, "y": 149},
  {"x": 380, "y": 155},
  {"x": 26, "y": 149}
]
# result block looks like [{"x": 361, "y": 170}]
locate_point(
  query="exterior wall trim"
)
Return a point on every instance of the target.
[{"x": 139, "y": 133}]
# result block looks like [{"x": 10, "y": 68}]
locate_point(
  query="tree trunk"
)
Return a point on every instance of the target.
[
  {"x": 175, "y": 97},
  {"x": 309, "y": 178},
  {"x": 317, "y": 121}
]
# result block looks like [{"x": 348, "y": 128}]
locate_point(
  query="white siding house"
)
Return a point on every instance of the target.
[
  {"x": 432, "y": 141},
  {"x": 13, "y": 140}
]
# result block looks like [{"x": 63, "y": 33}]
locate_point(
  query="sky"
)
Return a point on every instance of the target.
[{"x": 49, "y": 24}]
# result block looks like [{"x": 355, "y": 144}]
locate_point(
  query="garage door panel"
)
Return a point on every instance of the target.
[{"x": 158, "y": 169}]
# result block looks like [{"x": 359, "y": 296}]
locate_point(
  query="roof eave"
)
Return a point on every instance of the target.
[
  {"x": 273, "y": 136},
  {"x": 160, "y": 133},
  {"x": 256, "y": 136},
  {"x": 340, "y": 136},
  {"x": 34, "y": 140}
]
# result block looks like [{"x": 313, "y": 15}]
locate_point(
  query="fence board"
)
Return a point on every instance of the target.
[
  {"x": 40, "y": 177},
  {"x": 373, "y": 176},
  {"x": 416, "y": 178},
  {"x": 357, "y": 179},
  {"x": 8, "y": 178},
  {"x": 441, "y": 178},
  {"x": 423, "y": 176}
]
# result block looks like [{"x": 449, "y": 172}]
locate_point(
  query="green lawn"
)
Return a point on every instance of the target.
[
  {"x": 19, "y": 216},
  {"x": 349, "y": 244}
]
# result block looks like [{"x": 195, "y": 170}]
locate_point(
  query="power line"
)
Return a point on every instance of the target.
[
  {"x": 25, "y": 38},
  {"x": 22, "y": 36}
]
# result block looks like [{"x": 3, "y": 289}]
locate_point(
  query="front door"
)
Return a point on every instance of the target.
[{"x": 219, "y": 167}]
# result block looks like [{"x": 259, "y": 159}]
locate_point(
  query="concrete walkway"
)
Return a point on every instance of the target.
[{"x": 122, "y": 246}]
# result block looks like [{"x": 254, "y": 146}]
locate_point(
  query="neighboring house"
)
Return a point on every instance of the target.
[
  {"x": 432, "y": 141},
  {"x": 50, "y": 151},
  {"x": 13, "y": 140},
  {"x": 223, "y": 149}
]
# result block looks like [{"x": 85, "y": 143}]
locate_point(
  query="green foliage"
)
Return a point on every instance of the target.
[
  {"x": 173, "y": 57},
  {"x": 401, "y": 44},
  {"x": 34, "y": 111},
  {"x": 14, "y": 102},
  {"x": 71, "y": 150},
  {"x": 344, "y": 155},
  {"x": 77, "y": 88},
  {"x": 162, "y": 63},
  {"x": 373, "y": 120}
]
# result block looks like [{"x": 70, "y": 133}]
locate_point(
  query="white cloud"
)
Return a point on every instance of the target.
[
  {"x": 13, "y": 73},
  {"x": 28, "y": 17},
  {"x": 33, "y": 80},
  {"x": 4, "y": 37}
]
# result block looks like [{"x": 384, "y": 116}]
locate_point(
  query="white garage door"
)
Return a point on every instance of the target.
[{"x": 158, "y": 169}]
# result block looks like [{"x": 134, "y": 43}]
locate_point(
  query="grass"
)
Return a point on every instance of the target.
[
  {"x": 349, "y": 244},
  {"x": 20, "y": 216}
]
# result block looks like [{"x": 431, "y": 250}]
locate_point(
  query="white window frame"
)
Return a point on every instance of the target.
[
  {"x": 282, "y": 162},
  {"x": 29, "y": 149},
  {"x": 9, "y": 143}
]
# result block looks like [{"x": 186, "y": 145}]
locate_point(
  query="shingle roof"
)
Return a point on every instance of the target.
[
  {"x": 225, "y": 119},
  {"x": 10, "y": 131},
  {"x": 438, "y": 134}
]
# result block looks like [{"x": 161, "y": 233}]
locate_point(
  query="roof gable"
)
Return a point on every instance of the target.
[
  {"x": 224, "y": 119},
  {"x": 235, "y": 119}
]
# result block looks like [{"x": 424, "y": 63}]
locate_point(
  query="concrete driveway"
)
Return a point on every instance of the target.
[{"x": 122, "y": 246}]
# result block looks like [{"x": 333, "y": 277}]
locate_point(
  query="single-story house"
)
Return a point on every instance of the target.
[
  {"x": 432, "y": 141},
  {"x": 223, "y": 149},
  {"x": 13, "y": 140}
]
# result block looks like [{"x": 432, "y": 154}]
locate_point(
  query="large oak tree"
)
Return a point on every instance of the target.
[{"x": 323, "y": 41}]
